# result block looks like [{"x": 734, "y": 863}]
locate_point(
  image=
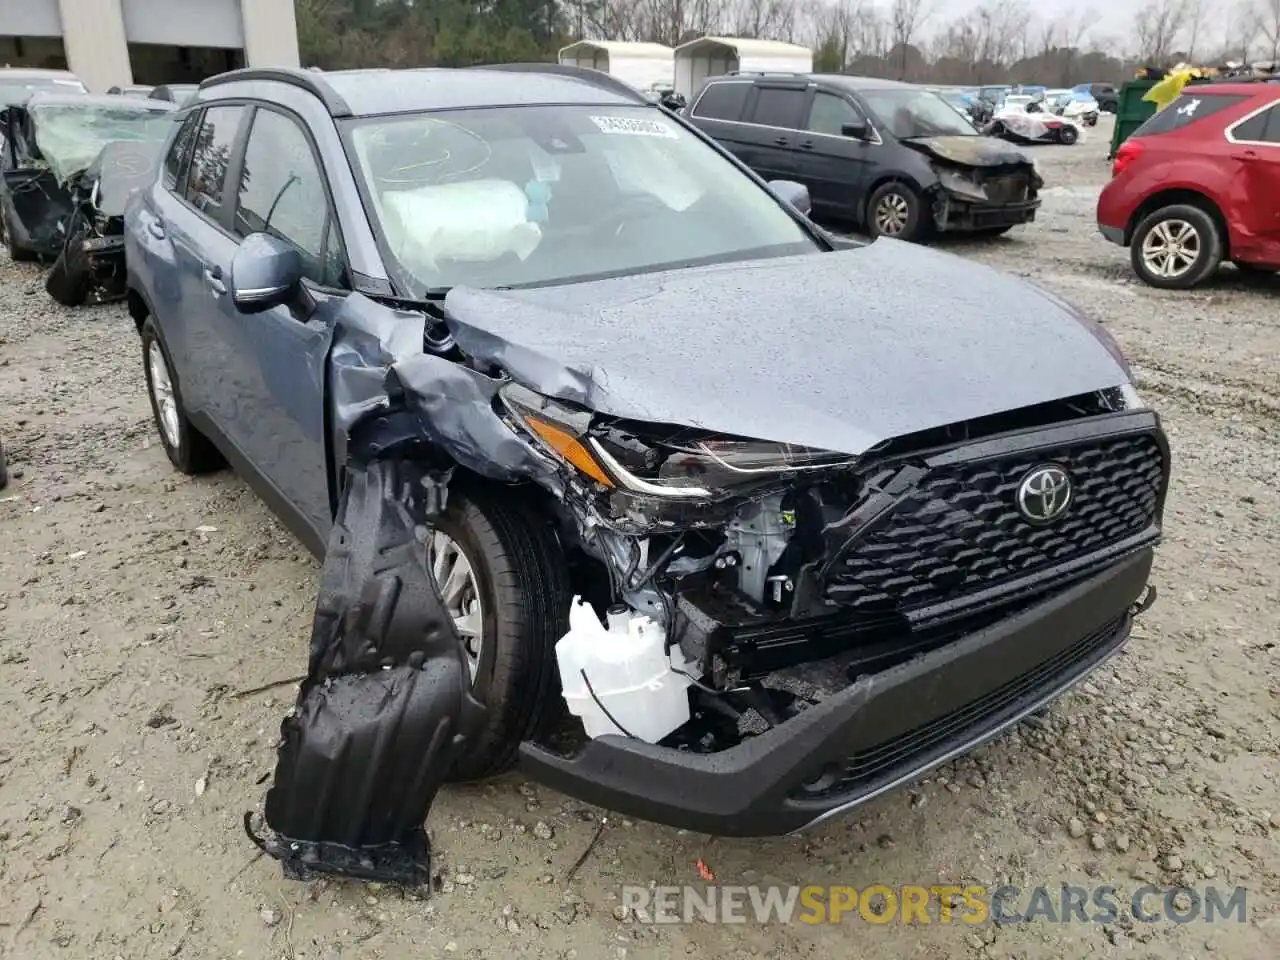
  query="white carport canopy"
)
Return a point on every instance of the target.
[
  {"x": 713, "y": 56},
  {"x": 643, "y": 65}
]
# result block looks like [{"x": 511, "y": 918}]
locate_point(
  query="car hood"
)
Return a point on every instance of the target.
[
  {"x": 969, "y": 151},
  {"x": 837, "y": 351}
]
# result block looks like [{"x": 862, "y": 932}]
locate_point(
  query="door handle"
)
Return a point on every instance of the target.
[
  {"x": 806, "y": 145},
  {"x": 781, "y": 141},
  {"x": 156, "y": 229},
  {"x": 1246, "y": 155},
  {"x": 214, "y": 279}
]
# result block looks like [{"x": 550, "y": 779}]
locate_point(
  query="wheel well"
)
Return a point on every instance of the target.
[
  {"x": 1169, "y": 198},
  {"x": 137, "y": 308}
]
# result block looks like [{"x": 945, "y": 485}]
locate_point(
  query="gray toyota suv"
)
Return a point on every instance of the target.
[{"x": 490, "y": 340}]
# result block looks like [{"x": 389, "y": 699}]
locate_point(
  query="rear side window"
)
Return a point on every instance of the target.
[
  {"x": 722, "y": 101},
  {"x": 206, "y": 180},
  {"x": 1187, "y": 109},
  {"x": 180, "y": 151},
  {"x": 778, "y": 107},
  {"x": 1262, "y": 127}
]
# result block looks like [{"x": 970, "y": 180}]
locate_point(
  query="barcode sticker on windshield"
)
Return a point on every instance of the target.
[{"x": 635, "y": 127}]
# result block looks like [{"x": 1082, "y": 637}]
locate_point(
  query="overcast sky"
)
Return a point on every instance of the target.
[{"x": 1112, "y": 19}]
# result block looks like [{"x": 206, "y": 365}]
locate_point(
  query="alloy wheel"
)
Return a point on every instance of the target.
[
  {"x": 892, "y": 213},
  {"x": 1171, "y": 248},
  {"x": 162, "y": 392},
  {"x": 460, "y": 591}
]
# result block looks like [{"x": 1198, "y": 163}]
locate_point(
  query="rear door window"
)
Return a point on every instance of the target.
[
  {"x": 210, "y": 158},
  {"x": 1187, "y": 109},
  {"x": 779, "y": 107},
  {"x": 722, "y": 101}
]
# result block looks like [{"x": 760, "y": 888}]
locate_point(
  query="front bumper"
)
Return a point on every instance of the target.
[
  {"x": 954, "y": 214},
  {"x": 883, "y": 731}
]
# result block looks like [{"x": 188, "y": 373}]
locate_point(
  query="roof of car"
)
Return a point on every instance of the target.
[
  {"x": 371, "y": 92},
  {"x": 865, "y": 83},
  {"x": 112, "y": 101}
]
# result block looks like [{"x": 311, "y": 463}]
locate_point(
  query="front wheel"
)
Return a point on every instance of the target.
[
  {"x": 71, "y": 277},
  {"x": 895, "y": 210},
  {"x": 503, "y": 579},
  {"x": 1069, "y": 135},
  {"x": 1176, "y": 247}
]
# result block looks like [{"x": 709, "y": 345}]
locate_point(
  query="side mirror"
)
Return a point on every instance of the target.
[
  {"x": 265, "y": 273},
  {"x": 858, "y": 131},
  {"x": 795, "y": 194},
  {"x": 675, "y": 102}
]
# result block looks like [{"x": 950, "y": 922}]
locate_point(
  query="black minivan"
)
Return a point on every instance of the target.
[{"x": 895, "y": 159}]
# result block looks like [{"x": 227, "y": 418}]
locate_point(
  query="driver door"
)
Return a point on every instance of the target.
[
  {"x": 834, "y": 167},
  {"x": 275, "y": 389}
]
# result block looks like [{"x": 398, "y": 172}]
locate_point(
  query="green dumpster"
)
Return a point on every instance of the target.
[{"x": 1131, "y": 111}]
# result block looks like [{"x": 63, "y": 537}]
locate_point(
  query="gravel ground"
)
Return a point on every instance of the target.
[{"x": 140, "y": 609}]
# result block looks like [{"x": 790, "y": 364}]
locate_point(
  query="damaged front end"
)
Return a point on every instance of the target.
[
  {"x": 771, "y": 633},
  {"x": 981, "y": 184},
  {"x": 90, "y": 267}
]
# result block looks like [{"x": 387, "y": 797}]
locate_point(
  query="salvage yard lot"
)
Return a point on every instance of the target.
[{"x": 145, "y": 617}]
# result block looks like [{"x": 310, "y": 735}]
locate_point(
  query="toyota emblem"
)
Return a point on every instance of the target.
[{"x": 1044, "y": 494}]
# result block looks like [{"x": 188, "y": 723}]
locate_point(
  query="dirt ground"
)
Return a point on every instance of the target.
[{"x": 140, "y": 609}]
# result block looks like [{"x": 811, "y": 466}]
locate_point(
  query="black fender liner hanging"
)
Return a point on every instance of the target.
[{"x": 386, "y": 706}]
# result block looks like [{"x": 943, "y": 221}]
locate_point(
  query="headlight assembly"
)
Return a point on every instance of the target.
[
  {"x": 666, "y": 462},
  {"x": 958, "y": 183}
]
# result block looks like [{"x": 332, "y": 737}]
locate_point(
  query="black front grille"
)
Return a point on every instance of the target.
[
  {"x": 1011, "y": 188},
  {"x": 865, "y": 767},
  {"x": 959, "y": 531}
]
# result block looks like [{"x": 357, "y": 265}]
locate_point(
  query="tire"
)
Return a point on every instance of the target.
[
  {"x": 896, "y": 202},
  {"x": 16, "y": 253},
  {"x": 522, "y": 582},
  {"x": 189, "y": 450},
  {"x": 4, "y": 469},
  {"x": 1186, "y": 224},
  {"x": 1068, "y": 135}
]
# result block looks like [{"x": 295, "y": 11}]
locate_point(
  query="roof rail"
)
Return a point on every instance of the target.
[
  {"x": 596, "y": 78},
  {"x": 310, "y": 80},
  {"x": 762, "y": 73}
]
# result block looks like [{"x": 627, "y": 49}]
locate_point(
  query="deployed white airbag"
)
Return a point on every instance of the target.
[{"x": 473, "y": 221}]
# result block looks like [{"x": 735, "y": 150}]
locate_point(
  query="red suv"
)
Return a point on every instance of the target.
[{"x": 1199, "y": 183}]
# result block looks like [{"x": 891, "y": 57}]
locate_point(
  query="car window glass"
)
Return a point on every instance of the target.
[
  {"x": 723, "y": 101},
  {"x": 1187, "y": 109},
  {"x": 179, "y": 151},
  {"x": 778, "y": 107},
  {"x": 210, "y": 157},
  {"x": 1262, "y": 127},
  {"x": 282, "y": 193},
  {"x": 830, "y": 113}
]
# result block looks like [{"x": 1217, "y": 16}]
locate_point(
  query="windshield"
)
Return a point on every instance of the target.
[
  {"x": 13, "y": 92},
  {"x": 522, "y": 196},
  {"x": 917, "y": 113},
  {"x": 69, "y": 137}
]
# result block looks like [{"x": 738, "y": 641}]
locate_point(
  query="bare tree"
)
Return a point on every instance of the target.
[
  {"x": 906, "y": 18},
  {"x": 1158, "y": 27},
  {"x": 1266, "y": 19}
]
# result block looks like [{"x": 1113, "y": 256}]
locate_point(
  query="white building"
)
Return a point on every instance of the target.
[{"x": 117, "y": 42}]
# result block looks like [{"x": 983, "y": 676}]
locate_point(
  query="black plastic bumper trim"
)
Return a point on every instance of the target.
[{"x": 747, "y": 789}]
